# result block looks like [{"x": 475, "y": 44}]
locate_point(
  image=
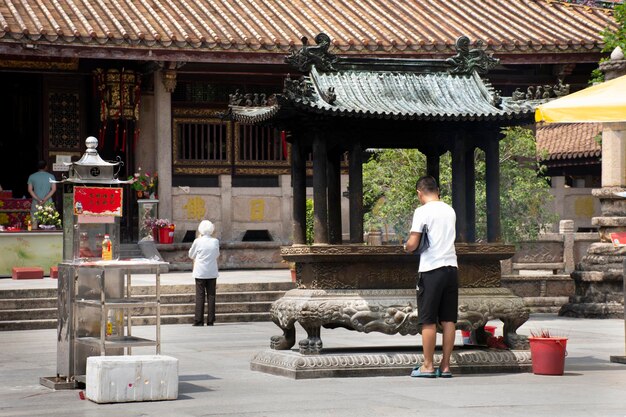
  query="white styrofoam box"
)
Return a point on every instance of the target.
[{"x": 115, "y": 379}]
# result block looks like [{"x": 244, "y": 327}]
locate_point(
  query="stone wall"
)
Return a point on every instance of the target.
[
  {"x": 238, "y": 255},
  {"x": 234, "y": 210}
]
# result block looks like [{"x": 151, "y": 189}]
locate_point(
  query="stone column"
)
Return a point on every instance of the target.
[
  {"x": 298, "y": 184},
  {"x": 470, "y": 194},
  {"x": 566, "y": 229},
  {"x": 613, "y": 208},
  {"x": 334, "y": 197},
  {"x": 459, "y": 186},
  {"x": 320, "y": 189},
  {"x": 163, "y": 140},
  {"x": 492, "y": 177},
  {"x": 226, "y": 199},
  {"x": 146, "y": 144},
  {"x": 355, "y": 190},
  {"x": 286, "y": 208}
]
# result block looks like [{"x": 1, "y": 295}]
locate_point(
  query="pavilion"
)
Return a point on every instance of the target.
[{"x": 345, "y": 105}]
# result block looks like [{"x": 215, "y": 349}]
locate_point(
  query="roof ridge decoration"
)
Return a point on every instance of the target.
[
  {"x": 469, "y": 60},
  {"x": 251, "y": 99},
  {"x": 298, "y": 90},
  {"x": 304, "y": 58}
]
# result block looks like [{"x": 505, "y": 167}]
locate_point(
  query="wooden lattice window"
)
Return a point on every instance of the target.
[
  {"x": 201, "y": 145},
  {"x": 260, "y": 144},
  {"x": 202, "y": 141}
]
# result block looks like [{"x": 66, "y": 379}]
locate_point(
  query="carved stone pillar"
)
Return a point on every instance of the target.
[{"x": 320, "y": 189}]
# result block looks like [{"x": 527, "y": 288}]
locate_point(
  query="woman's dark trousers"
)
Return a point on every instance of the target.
[{"x": 205, "y": 290}]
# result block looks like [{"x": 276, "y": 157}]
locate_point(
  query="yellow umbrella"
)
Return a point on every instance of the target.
[{"x": 605, "y": 102}]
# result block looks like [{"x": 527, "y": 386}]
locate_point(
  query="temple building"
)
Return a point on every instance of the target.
[
  {"x": 571, "y": 154},
  {"x": 153, "y": 81}
]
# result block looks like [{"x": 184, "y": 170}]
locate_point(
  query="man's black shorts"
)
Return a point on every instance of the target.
[{"x": 438, "y": 295}]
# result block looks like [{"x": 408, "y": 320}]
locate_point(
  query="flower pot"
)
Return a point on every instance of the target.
[
  {"x": 548, "y": 355},
  {"x": 47, "y": 226},
  {"x": 142, "y": 194},
  {"x": 166, "y": 235}
]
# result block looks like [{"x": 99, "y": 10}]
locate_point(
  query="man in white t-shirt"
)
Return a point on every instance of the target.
[{"x": 438, "y": 283}]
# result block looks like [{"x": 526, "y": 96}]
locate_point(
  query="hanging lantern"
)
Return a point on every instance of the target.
[{"x": 119, "y": 93}]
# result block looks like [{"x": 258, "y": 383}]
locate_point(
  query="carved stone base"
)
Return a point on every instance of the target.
[
  {"x": 335, "y": 363},
  {"x": 388, "y": 311},
  {"x": 618, "y": 359},
  {"x": 599, "y": 284},
  {"x": 593, "y": 310}
]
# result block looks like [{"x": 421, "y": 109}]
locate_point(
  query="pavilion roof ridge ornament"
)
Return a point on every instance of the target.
[
  {"x": 251, "y": 99},
  {"x": 541, "y": 92},
  {"x": 299, "y": 90},
  {"x": 535, "y": 96},
  {"x": 307, "y": 56},
  {"x": 469, "y": 60}
]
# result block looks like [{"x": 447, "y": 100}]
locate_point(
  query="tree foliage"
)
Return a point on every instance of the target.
[
  {"x": 612, "y": 39},
  {"x": 389, "y": 188}
]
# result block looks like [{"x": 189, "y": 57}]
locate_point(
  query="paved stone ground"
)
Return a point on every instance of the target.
[{"x": 215, "y": 379}]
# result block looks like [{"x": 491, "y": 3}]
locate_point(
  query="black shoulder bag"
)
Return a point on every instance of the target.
[{"x": 424, "y": 242}]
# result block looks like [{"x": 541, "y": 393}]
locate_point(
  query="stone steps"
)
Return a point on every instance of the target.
[
  {"x": 23, "y": 309},
  {"x": 542, "y": 293}
]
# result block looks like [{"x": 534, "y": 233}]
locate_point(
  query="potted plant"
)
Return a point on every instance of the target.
[
  {"x": 166, "y": 230},
  {"x": 144, "y": 184},
  {"x": 548, "y": 351},
  {"x": 47, "y": 217}
]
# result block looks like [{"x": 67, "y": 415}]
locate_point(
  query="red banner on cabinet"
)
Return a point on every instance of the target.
[{"x": 98, "y": 201}]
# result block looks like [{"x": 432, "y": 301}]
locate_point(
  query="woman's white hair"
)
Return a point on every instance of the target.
[{"x": 206, "y": 228}]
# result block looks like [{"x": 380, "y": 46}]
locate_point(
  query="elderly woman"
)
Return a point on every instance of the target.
[{"x": 204, "y": 251}]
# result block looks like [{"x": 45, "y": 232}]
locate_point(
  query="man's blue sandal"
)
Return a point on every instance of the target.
[
  {"x": 440, "y": 374},
  {"x": 418, "y": 373}
]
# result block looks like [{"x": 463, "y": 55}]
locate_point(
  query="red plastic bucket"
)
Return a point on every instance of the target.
[
  {"x": 166, "y": 235},
  {"x": 548, "y": 355},
  {"x": 467, "y": 335}
]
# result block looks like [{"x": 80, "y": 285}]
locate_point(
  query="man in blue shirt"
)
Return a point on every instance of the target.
[{"x": 40, "y": 188}]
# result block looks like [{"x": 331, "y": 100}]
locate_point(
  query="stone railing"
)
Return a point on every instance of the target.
[
  {"x": 540, "y": 270},
  {"x": 556, "y": 252}
]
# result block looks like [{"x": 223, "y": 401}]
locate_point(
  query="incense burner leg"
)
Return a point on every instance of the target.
[
  {"x": 511, "y": 338},
  {"x": 284, "y": 341},
  {"x": 312, "y": 345}
]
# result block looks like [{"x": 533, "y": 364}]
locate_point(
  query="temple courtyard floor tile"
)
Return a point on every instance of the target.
[{"x": 215, "y": 378}]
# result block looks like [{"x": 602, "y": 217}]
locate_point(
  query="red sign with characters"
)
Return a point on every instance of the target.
[{"x": 98, "y": 201}]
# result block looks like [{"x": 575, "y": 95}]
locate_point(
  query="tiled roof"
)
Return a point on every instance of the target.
[
  {"x": 359, "y": 26},
  {"x": 559, "y": 141},
  {"x": 437, "y": 96},
  {"x": 387, "y": 95}
]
